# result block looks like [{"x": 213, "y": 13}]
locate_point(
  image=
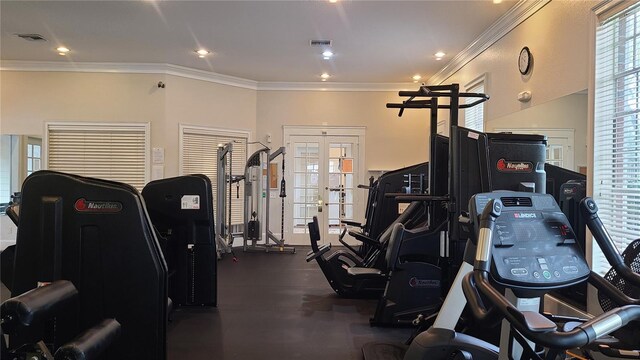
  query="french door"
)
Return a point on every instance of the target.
[{"x": 323, "y": 177}]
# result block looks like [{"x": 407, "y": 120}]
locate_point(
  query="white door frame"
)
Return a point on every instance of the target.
[{"x": 295, "y": 130}]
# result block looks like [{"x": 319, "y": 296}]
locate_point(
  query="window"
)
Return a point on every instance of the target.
[
  {"x": 34, "y": 147},
  {"x": 617, "y": 127},
  {"x": 474, "y": 116},
  {"x": 115, "y": 152},
  {"x": 198, "y": 155},
  {"x": 6, "y": 171}
]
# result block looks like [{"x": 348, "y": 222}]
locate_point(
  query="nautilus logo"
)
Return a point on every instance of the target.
[
  {"x": 423, "y": 283},
  {"x": 84, "y": 205},
  {"x": 514, "y": 166}
]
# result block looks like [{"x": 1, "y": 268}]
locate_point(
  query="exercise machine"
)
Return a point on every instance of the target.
[
  {"x": 181, "y": 210},
  {"x": 346, "y": 274},
  {"x": 224, "y": 184},
  {"x": 96, "y": 234},
  {"x": 20, "y": 314},
  {"x": 525, "y": 244},
  {"x": 476, "y": 162},
  {"x": 257, "y": 198},
  {"x": 382, "y": 210}
]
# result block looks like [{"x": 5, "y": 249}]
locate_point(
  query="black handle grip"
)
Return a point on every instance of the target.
[
  {"x": 589, "y": 210},
  {"x": 490, "y": 214}
]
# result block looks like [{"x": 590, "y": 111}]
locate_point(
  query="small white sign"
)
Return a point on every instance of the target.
[
  {"x": 157, "y": 155},
  {"x": 190, "y": 202}
]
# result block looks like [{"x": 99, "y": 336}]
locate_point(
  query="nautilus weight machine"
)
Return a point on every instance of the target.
[{"x": 257, "y": 178}]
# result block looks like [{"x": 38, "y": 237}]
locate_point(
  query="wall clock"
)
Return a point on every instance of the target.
[{"x": 524, "y": 61}]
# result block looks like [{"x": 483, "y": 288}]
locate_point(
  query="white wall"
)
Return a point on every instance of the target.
[
  {"x": 558, "y": 37},
  {"x": 391, "y": 142}
]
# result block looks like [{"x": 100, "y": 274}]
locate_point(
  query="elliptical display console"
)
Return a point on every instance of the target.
[{"x": 534, "y": 246}]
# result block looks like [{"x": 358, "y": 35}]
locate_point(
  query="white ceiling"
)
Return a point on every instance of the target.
[{"x": 374, "y": 41}]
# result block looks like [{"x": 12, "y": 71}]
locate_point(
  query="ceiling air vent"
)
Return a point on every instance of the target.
[
  {"x": 320, "y": 42},
  {"x": 31, "y": 37},
  {"x": 516, "y": 201}
]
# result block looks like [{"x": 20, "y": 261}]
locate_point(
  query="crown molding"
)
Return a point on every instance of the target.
[
  {"x": 190, "y": 73},
  {"x": 507, "y": 22},
  {"x": 128, "y": 68},
  {"x": 333, "y": 86}
]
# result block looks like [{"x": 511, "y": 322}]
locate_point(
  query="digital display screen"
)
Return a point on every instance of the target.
[{"x": 523, "y": 226}]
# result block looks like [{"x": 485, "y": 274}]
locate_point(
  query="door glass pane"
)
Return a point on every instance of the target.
[
  {"x": 334, "y": 180},
  {"x": 299, "y": 195},
  {"x": 340, "y": 167},
  {"x": 305, "y": 184}
]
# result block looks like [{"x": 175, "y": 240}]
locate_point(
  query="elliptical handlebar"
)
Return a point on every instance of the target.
[
  {"x": 532, "y": 325},
  {"x": 589, "y": 211}
]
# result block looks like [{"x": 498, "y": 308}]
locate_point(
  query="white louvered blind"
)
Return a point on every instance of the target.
[
  {"x": 199, "y": 156},
  {"x": 107, "y": 151},
  {"x": 617, "y": 128},
  {"x": 474, "y": 116}
]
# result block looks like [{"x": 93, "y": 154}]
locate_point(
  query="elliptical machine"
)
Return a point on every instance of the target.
[{"x": 525, "y": 243}]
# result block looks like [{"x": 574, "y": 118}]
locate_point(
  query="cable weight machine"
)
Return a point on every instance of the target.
[
  {"x": 224, "y": 183},
  {"x": 257, "y": 178}
]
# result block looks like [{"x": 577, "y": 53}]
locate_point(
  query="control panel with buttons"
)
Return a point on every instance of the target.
[{"x": 534, "y": 245}]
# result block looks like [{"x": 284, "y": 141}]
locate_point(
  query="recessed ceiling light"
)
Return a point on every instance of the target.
[
  {"x": 497, "y": 1},
  {"x": 325, "y": 76},
  {"x": 439, "y": 54},
  {"x": 417, "y": 77},
  {"x": 333, "y": 1},
  {"x": 202, "y": 52},
  {"x": 327, "y": 53},
  {"x": 62, "y": 49}
]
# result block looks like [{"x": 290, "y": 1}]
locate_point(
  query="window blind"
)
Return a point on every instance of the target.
[
  {"x": 199, "y": 156},
  {"x": 617, "y": 128},
  {"x": 474, "y": 116},
  {"x": 115, "y": 152}
]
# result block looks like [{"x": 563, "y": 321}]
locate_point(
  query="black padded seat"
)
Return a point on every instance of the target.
[{"x": 363, "y": 271}]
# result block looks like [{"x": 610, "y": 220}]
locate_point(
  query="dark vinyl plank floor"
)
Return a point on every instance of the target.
[{"x": 275, "y": 306}]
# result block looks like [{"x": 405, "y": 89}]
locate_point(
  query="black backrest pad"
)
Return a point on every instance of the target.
[
  {"x": 395, "y": 240},
  {"x": 97, "y": 235},
  {"x": 314, "y": 233}
]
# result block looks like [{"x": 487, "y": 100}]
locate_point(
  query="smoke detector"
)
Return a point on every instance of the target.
[
  {"x": 31, "y": 37},
  {"x": 320, "y": 42}
]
